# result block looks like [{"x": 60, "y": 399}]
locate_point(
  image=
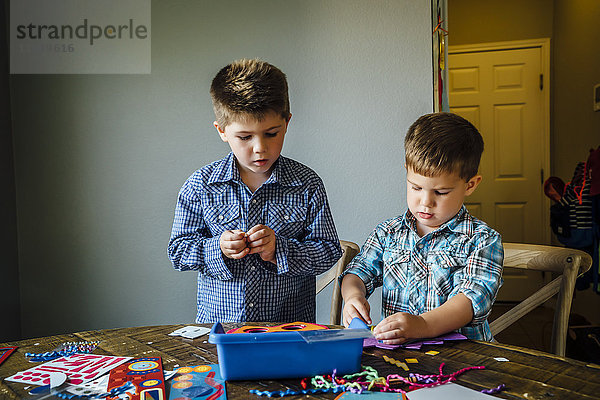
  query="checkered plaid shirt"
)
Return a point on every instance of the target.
[
  {"x": 419, "y": 274},
  {"x": 293, "y": 203}
]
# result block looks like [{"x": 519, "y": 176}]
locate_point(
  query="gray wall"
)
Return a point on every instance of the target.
[
  {"x": 10, "y": 301},
  {"x": 99, "y": 159}
]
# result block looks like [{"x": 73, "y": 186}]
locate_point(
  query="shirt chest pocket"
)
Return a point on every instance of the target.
[
  {"x": 222, "y": 218},
  {"x": 287, "y": 220},
  {"x": 396, "y": 269},
  {"x": 447, "y": 271}
]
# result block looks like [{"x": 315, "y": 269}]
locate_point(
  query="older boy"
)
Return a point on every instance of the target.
[
  {"x": 255, "y": 225},
  {"x": 439, "y": 266}
]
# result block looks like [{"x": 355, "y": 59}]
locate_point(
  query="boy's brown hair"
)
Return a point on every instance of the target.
[
  {"x": 443, "y": 143},
  {"x": 249, "y": 88}
]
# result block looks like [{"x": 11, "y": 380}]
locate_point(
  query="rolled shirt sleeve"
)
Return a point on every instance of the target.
[{"x": 483, "y": 275}]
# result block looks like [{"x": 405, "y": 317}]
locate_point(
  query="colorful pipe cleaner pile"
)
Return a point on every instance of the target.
[
  {"x": 64, "y": 350},
  {"x": 369, "y": 379}
]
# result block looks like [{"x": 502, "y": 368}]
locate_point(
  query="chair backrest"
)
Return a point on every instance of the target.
[
  {"x": 569, "y": 263},
  {"x": 350, "y": 249}
]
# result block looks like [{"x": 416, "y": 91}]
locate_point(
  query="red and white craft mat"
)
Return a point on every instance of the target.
[{"x": 79, "y": 368}]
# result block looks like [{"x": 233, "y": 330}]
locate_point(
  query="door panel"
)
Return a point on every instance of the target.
[{"x": 499, "y": 92}]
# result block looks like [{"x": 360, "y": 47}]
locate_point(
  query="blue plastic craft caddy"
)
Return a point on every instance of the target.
[{"x": 278, "y": 355}]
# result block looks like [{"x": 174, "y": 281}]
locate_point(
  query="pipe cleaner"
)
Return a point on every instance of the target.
[
  {"x": 290, "y": 392},
  {"x": 497, "y": 389},
  {"x": 64, "y": 350},
  {"x": 369, "y": 379},
  {"x": 417, "y": 381}
]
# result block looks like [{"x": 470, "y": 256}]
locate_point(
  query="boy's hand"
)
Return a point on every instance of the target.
[
  {"x": 401, "y": 327},
  {"x": 262, "y": 241},
  {"x": 356, "y": 306},
  {"x": 233, "y": 244}
]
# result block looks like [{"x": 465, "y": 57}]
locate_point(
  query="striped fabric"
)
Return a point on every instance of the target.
[
  {"x": 293, "y": 203},
  {"x": 577, "y": 200},
  {"x": 419, "y": 274}
]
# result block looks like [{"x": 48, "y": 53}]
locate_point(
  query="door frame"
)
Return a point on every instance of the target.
[{"x": 544, "y": 45}]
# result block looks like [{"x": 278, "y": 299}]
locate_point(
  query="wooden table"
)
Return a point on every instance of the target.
[{"x": 528, "y": 375}]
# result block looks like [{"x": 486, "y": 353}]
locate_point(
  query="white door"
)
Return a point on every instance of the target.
[{"x": 501, "y": 93}]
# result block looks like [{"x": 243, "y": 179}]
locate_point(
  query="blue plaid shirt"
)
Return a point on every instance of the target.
[
  {"x": 293, "y": 203},
  {"x": 419, "y": 274}
]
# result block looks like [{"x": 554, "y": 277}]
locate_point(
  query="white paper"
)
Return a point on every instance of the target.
[{"x": 449, "y": 391}]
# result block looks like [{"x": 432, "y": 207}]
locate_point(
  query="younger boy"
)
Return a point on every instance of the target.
[
  {"x": 439, "y": 266},
  {"x": 255, "y": 225}
]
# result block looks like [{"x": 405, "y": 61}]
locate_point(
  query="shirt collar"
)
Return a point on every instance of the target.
[
  {"x": 461, "y": 223},
  {"x": 228, "y": 171},
  {"x": 283, "y": 173},
  {"x": 225, "y": 171}
]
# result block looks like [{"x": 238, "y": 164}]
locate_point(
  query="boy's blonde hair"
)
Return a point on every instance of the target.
[
  {"x": 249, "y": 88},
  {"x": 443, "y": 143}
]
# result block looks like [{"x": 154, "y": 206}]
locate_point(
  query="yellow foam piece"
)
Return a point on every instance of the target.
[{"x": 395, "y": 362}]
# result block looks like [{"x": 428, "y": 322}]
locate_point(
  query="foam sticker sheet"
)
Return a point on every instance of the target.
[
  {"x": 79, "y": 368},
  {"x": 202, "y": 382},
  {"x": 146, "y": 374}
]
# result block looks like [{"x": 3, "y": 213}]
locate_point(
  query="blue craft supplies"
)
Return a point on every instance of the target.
[{"x": 276, "y": 355}]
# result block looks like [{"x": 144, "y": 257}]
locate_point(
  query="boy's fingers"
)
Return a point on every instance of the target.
[
  {"x": 259, "y": 234},
  {"x": 239, "y": 255},
  {"x": 259, "y": 242},
  {"x": 255, "y": 228},
  {"x": 234, "y": 244},
  {"x": 363, "y": 313},
  {"x": 233, "y": 235},
  {"x": 258, "y": 231},
  {"x": 356, "y": 312},
  {"x": 256, "y": 250}
]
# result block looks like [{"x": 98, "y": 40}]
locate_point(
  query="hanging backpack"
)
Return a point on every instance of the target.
[{"x": 575, "y": 217}]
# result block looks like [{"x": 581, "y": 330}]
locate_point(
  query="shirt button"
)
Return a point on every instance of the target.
[
  {"x": 390, "y": 259},
  {"x": 220, "y": 217},
  {"x": 254, "y": 201},
  {"x": 286, "y": 217},
  {"x": 420, "y": 246},
  {"x": 250, "y": 304},
  {"x": 252, "y": 268}
]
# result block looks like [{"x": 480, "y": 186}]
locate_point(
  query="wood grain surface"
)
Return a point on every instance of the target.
[{"x": 528, "y": 375}]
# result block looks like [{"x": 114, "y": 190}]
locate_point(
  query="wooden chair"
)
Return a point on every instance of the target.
[
  {"x": 569, "y": 263},
  {"x": 350, "y": 249}
]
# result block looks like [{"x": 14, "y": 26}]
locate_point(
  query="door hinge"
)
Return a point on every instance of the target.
[
  {"x": 541, "y": 81},
  {"x": 542, "y": 176}
]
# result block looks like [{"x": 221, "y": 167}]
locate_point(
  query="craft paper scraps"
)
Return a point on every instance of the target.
[
  {"x": 190, "y": 332},
  {"x": 432, "y": 353},
  {"x": 501, "y": 359},
  {"x": 414, "y": 345},
  {"x": 79, "y": 368},
  {"x": 5, "y": 352},
  {"x": 202, "y": 382},
  {"x": 395, "y": 362}
]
